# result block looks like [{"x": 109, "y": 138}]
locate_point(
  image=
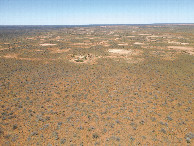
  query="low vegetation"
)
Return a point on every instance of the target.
[{"x": 96, "y": 85}]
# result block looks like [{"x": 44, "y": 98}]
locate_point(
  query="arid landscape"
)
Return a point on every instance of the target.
[{"x": 97, "y": 85}]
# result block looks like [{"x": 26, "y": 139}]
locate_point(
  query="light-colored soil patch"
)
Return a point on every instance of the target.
[
  {"x": 39, "y": 50},
  {"x": 124, "y": 44},
  {"x": 189, "y": 50},
  {"x": 145, "y": 34},
  {"x": 32, "y": 38},
  {"x": 30, "y": 59},
  {"x": 103, "y": 43},
  {"x": 177, "y": 43},
  {"x": 128, "y": 59},
  {"x": 172, "y": 42},
  {"x": 127, "y": 55},
  {"x": 123, "y": 52},
  {"x": 81, "y": 44},
  {"x": 138, "y": 43},
  {"x": 57, "y": 50},
  {"x": 1, "y": 49},
  {"x": 153, "y": 36},
  {"x": 106, "y": 45},
  {"x": 131, "y": 36},
  {"x": 16, "y": 56},
  {"x": 48, "y": 44},
  {"x": 184, "y": 43},
  {"x": 119, "y": 51},
  {"x": 11, "y": 55}
]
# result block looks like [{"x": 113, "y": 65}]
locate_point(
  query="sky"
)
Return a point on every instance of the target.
[{"x": 84, "y": 12}]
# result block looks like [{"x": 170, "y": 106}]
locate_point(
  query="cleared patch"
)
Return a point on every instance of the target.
[
  {"x": 130, "y": 36},
  {"x": 1, "y": 49},
  {"x": 48, "y": 44},
  {"x": 119, "y": 51},
  {"x": 11, "y": 55},
  {"x": 124, "y": 44},
  {"x": 16, "y": 56},
  {"x": 184, "y": 43},
  {"x": 153, "y": 36},
  {"x": 144, "y": 34},
  {"x": 81, "y": 44},
  {"x": 57, "y": 50},
  {"x": 138, "y": 43},
  {"x": 106, "y": 45},
  {"x": 127, "y": 55},
  {"x": 39, "y": 50},
  {"x": 172, "y": 42}
]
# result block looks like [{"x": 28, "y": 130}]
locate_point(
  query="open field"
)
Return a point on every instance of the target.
[{"x": 97, "y": 85}]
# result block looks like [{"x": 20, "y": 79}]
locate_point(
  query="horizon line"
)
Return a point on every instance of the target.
[{"x": 88, "y": 24}]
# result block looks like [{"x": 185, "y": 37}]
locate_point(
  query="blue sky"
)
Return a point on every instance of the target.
[{"x": 80, "y": 12}]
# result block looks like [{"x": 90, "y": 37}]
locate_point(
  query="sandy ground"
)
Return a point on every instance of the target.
[
  {"x": 13, "y": 55},
  {"x": 1, "y": 49},
  {"x": 138, "y": 43},
  {"x": 119, "y": 51},
  {"x": 145, "y": 34},
  {"x": 131, "y": 36},
  {"x": 16, "y": 56},
  {"x": 57, "y": 50},
  {"x": 127, "y": 55},
  {"x": 48, "y": 44},
  {"x": 124, "y": 44}
]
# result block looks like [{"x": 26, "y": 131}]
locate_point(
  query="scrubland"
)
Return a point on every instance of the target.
[{"x": 96, "y": 85}]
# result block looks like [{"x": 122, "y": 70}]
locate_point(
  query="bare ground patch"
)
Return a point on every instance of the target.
[
  {"x": 1, "y": 49},
  {"x": 138, "y": 43},
  {"x": 11, "y": 55},
  {"x": 172, "y": 42},
  {"x": 131, "y": 36},
  {"x": 16, "y": 56},
  {"x": 81, "y": 44},
  {"x": 119, "y": 51},
  {"x": 153, "y": 36},
  {"x": 106, "y": 45},
  {"x": 125, "y": 54},
  {"x": 57, "y": 50},
  {"x": 47, "y": 44},
  {"x": 124, "y": 44},
  {"x": 145, "y": 34}
]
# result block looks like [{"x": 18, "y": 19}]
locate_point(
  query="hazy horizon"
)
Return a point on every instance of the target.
[
  {"x": 100, "y": 24},
  {"x": 92, "y": 12}
]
